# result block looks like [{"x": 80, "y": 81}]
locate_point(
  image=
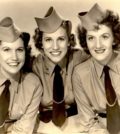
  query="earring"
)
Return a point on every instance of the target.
[{"x": 114, "y": 43}]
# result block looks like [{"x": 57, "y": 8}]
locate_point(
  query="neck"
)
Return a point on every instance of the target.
[
  {"x": 107, "y": 61},
  {"x": 9, "y": 75}
]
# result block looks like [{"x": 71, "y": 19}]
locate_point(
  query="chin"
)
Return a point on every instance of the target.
[
  {"x": 56, "y": 60},
  {"x": 14, "y": 71}
]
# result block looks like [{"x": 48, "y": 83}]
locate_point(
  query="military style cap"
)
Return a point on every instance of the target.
[
  {"x": 90, "y": 19},
  {"x": 8, "y": 31},
  {"x": 51, "y": 22}
]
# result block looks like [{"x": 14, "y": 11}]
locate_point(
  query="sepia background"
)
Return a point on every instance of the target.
[{"x": 24, "y": 11}]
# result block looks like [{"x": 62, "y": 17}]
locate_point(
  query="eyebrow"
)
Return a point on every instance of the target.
[{"x": 46, "y": 37}]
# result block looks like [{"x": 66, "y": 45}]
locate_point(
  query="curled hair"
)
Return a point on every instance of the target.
[
  {"x": 27, "y": 65},
  {"x": 112, "y": 21},
  {"x": 37, "y": 37}
]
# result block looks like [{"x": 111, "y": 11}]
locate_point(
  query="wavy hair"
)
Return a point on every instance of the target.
[
  {"x": 27, "y": 65},
  {"x": 37, "y": 37},
  {"x": 111, "y": 20}
]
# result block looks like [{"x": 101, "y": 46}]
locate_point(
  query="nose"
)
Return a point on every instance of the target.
[
  {"x": 55, "y": 45},
  {"x": 98, "y": 43},
  {"x": 14, "y": 55}
]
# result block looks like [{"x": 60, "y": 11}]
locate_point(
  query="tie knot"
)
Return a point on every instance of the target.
[
  {"x": 106, "y": 68},
  {"x": 7, "y": 83},
  {"x": 57, "y": 68}
]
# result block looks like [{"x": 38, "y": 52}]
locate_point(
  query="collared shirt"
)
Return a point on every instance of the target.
[
  {"x": 44, "y": 68},
  {"x": 88, "y": 84},
  {"x": 25, "y": 95}
]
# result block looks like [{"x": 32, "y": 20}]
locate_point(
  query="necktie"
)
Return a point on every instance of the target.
[
  {"x": 112, "y": 107},
  {"x": 4, "y": 103},
  {"x": 58, "y": 115}
]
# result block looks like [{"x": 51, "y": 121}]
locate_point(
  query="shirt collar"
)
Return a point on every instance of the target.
[
  {"x": 49, "y": 66},
  {"x": 2, "y": 78},
  {"x": 111, "y": 64},
  {"x": 14, "y": 82},
  {"x": 98, "y": 67}
]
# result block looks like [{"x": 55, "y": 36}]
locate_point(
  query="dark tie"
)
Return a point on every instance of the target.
[
  {"x": 58, "y": 99},
  {"x": 4, "y": 102},
  {"x": 112, "y": 107}
]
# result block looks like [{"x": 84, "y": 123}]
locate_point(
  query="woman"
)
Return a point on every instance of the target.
[
  {"x": 99, "y": 36},
  {"x": 24, "y": 91},
  {"x": 54, "y": 40}
]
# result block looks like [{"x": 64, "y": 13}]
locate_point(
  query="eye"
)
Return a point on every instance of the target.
[
  {"x": 20, "y": 50},
  {"x": 105, "y": 36},
  {"x": 48, "y": 39},
  {"x": 90, "y": 38},
  {"x": 61, "y": 38},
  {"x": 6, "y": 49}
]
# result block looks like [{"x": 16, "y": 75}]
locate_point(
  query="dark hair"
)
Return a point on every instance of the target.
[
  {"x": 111, "y": 20},
  {"x": 27, "y": 65},
  {"x": 37, "y": 37}
]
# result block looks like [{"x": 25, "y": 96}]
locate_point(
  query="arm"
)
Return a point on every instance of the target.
[
  {"x": 26, "y": 123},
  {"x": 86, "y": 114}
]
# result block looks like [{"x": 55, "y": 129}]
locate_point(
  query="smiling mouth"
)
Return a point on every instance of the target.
[
  {"x": 13, "y": 64},
  {"x": 100, "y": 51},
  {"x": 56, "y": 53}
]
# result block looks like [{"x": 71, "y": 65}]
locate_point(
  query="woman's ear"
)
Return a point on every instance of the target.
[
  {"x": 42, "y": 51},
  {"x": 42, "y": 46},
  {"x": 72, "y": 40},
  {"x": 114, "y": 44},
  {"x": 68, "y": 44}
]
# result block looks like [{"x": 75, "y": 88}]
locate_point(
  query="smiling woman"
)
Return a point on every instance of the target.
[
  {"x": 55, "y": 45},
  {"x": 18, "y": 102},
  {"x": 96, "y": 81},
  {"x": 54, "y": 66},
  {"x": 12, "y": 56},
  {"x": 100, "y": 43}
]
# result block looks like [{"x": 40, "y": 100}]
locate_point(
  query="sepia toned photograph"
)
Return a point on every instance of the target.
[{"x": 59, "y": 67}]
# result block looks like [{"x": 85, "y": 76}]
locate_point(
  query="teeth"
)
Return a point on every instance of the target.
[
  {"x": 55, "y": 53},
  {"x": 13, "y": 64},
  {"x": 100, "y": 51}
]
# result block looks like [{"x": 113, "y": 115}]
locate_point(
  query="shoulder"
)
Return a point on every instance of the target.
[
  {"x": 117, "y": 62},
  {"x": 31, "y": 79},
  {"x": 79, "y": 56},
  {"x": 37, "y": 63},
  {"x": 83, "y": 68},
  {"x": 38, "y": 59},
  {"x": 31, "y": 86}
]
